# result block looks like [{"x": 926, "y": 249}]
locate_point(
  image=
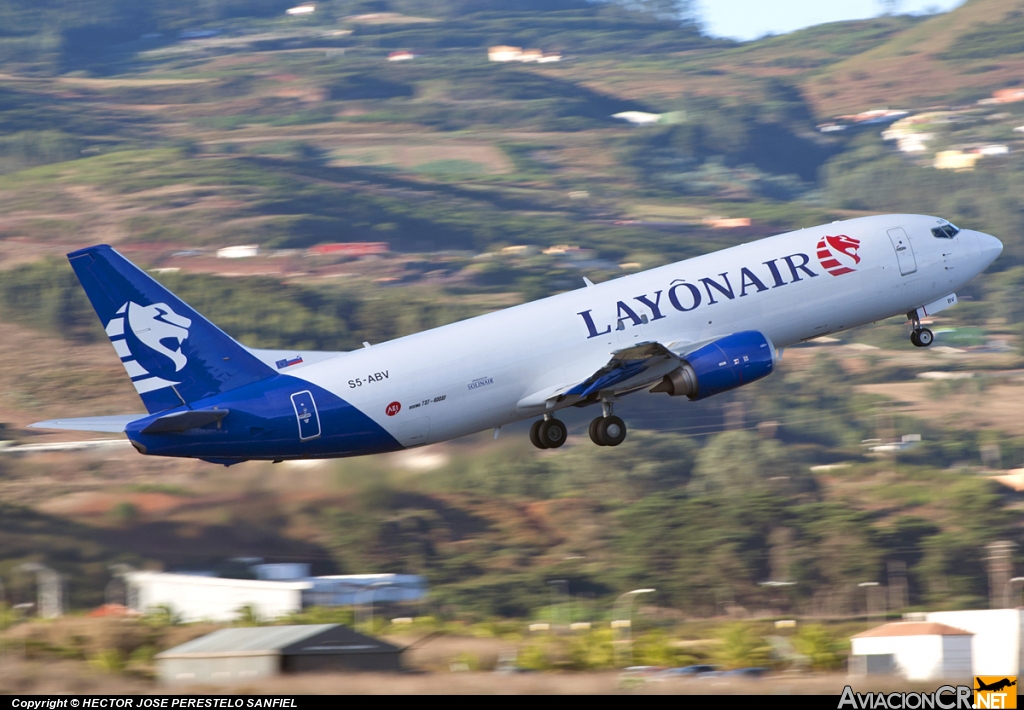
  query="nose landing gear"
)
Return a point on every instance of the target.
[
  {"x": 919, "y": 336},
  {"x": 922, "y": 338}
]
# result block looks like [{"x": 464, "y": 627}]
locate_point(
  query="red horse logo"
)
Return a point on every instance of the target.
[{"x": 838, "y": 254}]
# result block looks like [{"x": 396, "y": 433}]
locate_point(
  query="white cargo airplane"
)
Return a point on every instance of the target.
[{"x": 694, "y": 328}]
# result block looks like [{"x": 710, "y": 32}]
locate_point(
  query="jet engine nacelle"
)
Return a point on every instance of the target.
[{"x": 725, "y": 364}]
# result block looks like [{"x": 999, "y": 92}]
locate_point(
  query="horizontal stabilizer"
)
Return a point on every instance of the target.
[
  {"x": 183, "y": 421},
  {"x": 113, "y": 425}
]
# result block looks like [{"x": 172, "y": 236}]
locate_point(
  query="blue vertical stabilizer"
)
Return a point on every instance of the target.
[{"x": 173, "y": 355}]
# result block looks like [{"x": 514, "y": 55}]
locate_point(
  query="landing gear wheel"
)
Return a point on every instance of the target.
[
  {"x": 925, "y": 338},
  {"x": 594, "y": 436},
  {"x": 552, "y": 433},
  {"x": 914, "y": 340},
  {"x": 612, "y": 431},
  {"x": 535, "y": 434}
]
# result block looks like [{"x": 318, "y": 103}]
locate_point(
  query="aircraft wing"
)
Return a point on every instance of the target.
[
  {"x": 113, "y": 425},
  {"x": 628, "y": 370}
]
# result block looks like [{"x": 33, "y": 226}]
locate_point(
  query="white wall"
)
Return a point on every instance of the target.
[
  {"x": 916, "y": 657},
  {"x": 956, "y": 657},
  {"x": 997, "y": 634},
  {"x": 212, "y": 598}
]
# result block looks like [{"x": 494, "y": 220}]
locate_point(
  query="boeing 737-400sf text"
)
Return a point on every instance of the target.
[{"x": 694, "y": 328}]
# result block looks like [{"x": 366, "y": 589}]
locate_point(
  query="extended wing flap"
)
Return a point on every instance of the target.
[
  {"x": 628, "y": 369},
  {"x": 113, "y": 424},
  {"x": 625, "y": 365}
]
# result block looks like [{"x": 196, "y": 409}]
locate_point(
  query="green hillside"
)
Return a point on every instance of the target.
[{"x": 493, "y": 184}]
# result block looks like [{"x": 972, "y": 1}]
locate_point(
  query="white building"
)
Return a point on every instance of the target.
[
  {"x": 196, "y": 598},
  {"x": 994, "y": 149},
  {"x": 350, "y": 589},
  {"x": 639, "y": 118},
  {"x": 917, "y": 650},
  {"x": 996, "y": 648},
  {"x": 281, "y": 589},
  {"x": 503, "y": 53},
  {"x": 238, "y": 252}
]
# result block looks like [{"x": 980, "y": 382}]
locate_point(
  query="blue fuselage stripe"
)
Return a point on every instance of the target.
[{"x": 267, "y": 422}]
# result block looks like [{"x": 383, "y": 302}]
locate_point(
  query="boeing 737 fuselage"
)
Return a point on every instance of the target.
[{"x": 693, "y": 328}]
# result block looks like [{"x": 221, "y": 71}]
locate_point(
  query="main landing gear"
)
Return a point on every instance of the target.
[
  {"x": 919, "y": 336},
  {"x": 548, "y": 433},
  {"x": 606, "y": 430}
]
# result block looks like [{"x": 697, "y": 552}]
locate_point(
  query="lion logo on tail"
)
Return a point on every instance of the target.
[
  {"x": 838, "y": 254},
  {"x": 154, "y": 324},
  {"x": 157, "y": 327}
]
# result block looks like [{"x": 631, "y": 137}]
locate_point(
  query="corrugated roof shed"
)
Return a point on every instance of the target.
[
  {"x": 912, "y": 628},
  {"x": 273, "y": 640},
  {"x": 250, "y": 640}
]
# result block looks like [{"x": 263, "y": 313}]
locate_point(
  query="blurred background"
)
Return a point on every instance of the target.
[{"x": 319, "y": 175}]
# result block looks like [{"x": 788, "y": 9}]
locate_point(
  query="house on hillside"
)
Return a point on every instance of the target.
[
  {"x": 504, "y": 53},
  {"x": 242, "y": 251},
  {"x": 955, "y": 160},
  {"x": 638, "y": 118}
]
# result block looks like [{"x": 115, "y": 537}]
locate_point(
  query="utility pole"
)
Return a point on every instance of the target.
[
  {"x": 116, "y": 591},
  {"x": 372, "y": 590},
  {"x": 897, "y": 590},
  {"x": 49, "y": 590},
  {"x": 1008, "y": 591},
  {"x": 1000, "y": 569},
  {"x": 875, "y": 593},
  {"x": 619, "y": 623},
  {"x": 554, "y": 584}
]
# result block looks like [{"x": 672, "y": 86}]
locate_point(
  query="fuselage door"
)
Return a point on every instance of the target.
[
  {"x": 904, "y": 250},
  {"x": 305, "y": 412}
]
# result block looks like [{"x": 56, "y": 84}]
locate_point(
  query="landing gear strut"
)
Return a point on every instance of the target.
[
  {"x": 919, "y": 336},
  {"x": 548, "y": 433},
  {"x": 607, "y": 430}
]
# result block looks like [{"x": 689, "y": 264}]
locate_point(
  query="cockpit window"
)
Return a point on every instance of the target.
[{"x": 945, "y": 231}]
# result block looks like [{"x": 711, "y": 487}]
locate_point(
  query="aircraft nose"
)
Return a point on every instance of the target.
[{"x": 989, "y": 248}]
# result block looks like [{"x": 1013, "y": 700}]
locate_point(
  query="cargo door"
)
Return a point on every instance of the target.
[
  {"x": 308, "y": 417},
  {"x": 904, "y": 250}
]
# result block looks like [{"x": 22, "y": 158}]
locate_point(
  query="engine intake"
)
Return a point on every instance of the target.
[{"x": 723, "y": 365}]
